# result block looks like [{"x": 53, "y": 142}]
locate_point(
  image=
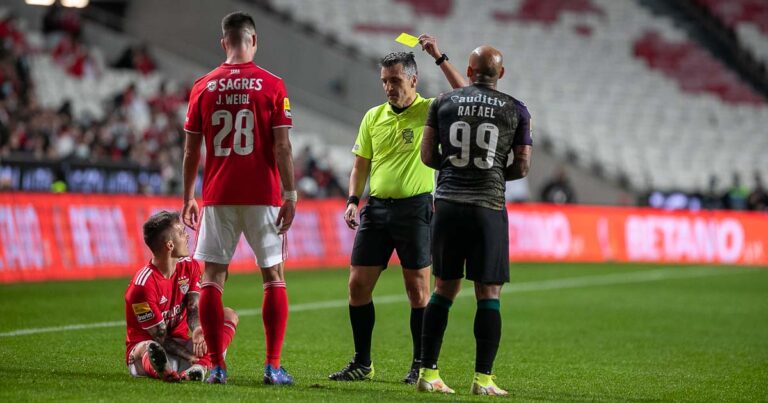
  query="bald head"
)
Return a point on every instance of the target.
[{"x": 485, "y": 65}]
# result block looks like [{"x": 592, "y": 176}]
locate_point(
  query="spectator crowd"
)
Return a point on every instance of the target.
[
  {"x": 146, "y": 132},
  {"x": 135, "y": 131}
]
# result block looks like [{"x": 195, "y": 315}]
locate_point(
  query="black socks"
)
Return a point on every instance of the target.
[
  {"x": 435, "y": 321},
  {"x": 362, "y": 318},
  {"x": 487, "y": 334}
]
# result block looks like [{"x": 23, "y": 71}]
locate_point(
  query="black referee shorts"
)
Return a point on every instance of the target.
[
  {"x": 394, "y": 224},
  {"x": 476, "y": 235}
]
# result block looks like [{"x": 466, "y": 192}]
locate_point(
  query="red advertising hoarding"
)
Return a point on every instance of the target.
[{"x": 53, "y": 237}]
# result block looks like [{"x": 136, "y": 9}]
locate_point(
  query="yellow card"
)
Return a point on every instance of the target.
[{"x": 407, "y": 40}]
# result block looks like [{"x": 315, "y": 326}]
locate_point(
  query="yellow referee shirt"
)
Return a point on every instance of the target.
[{"x": 393, "y": 144}]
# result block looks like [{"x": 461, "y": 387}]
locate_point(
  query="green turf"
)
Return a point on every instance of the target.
[{"x": 701, "y": 336}]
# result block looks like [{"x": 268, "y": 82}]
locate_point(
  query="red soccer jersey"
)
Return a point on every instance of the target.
[
  {"x": 152, "y": 298},
  {"x": 235, "y": 107}
]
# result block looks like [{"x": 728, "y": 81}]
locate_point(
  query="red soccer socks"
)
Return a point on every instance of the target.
[
  {"x": 274, "y": 313},
  {"x": 212, "y": 321}
]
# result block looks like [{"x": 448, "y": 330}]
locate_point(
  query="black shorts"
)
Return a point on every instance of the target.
[
  {"x": 394, "y": 224},
  {"x": 476, "y": 235}
]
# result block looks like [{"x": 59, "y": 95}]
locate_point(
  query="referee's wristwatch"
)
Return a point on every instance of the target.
[
  {"x": 441, "y": 59},
  {"x": 353, "y": 200}
]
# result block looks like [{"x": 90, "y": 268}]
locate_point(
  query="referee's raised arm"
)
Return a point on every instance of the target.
[{"x": 454, "y": 77}]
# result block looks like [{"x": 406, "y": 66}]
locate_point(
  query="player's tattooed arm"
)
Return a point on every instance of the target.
[
  {"x": 520, "y": 165},
  {"x": 173, "y": 347},
  {"x": 159, "y": 334},
  {"x": 193, "y": 311},
  {"x": 430, "y": 152}
]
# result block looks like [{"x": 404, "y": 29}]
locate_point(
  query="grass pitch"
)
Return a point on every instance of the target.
[{"x": 570, "y": 332}]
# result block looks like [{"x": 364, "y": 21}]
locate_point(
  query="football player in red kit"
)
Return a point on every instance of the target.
[
  {"x": 161, "y": 308},
  {"x": 242, "y": 114}
]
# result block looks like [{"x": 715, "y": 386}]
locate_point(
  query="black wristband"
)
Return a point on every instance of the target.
[
  {"x": 353, "y": 200},
  {"x": 442, "y": 58}
]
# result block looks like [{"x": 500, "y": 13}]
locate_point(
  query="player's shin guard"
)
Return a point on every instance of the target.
[
  {"x": 212, "y": 321},
  {"x": 362, "y": 319},
  {"x": 435, "y": 321},
  {"x": 487, "y": 334},
  {"x": 274, "y": 313}
]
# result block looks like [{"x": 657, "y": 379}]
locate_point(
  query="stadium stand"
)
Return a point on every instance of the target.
[
  {"x": 618, "y": 90},
  {"x": 607, "y": 82},
  {"x": 748, "y": 18},
  {"x": 66, "y": 104}
]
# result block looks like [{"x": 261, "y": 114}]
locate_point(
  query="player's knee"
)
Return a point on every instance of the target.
[
  {"x": 273, "y": 273},
  {"x": 360, "y": 291},
  {"x": 216, "y": 272},
  {"x": 487, "y": 291},
  {"x": 231, "y": 316},
  {"x": 449, "y": 289},
  {"x": 359, "y": 294},
  {"x": 418, "y": 294}
]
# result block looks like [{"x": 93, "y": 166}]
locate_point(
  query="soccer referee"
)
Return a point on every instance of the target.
[{"x": 399, "y": 210}]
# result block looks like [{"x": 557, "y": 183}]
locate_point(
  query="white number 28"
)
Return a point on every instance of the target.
[{"x": 242, "y": 142}]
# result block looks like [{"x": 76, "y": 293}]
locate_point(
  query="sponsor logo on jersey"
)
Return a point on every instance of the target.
[
  {"x": 287, "y": 107},
  {"x": 480, "y": 98},
  {"x": 407, "y": 134},
  {"x": 145, "y": 316},
  {"x": 140, "y": 308},
  {"x": 242, "y": 83},
  {"x": 163, "y": 300},
  {"x": 143, "y": 312},
  {"x": 234, "y": 71}
]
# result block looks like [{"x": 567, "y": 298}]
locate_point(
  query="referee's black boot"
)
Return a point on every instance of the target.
[
  {"x": 413, "y": 374},
  {"x": 353, "y": 372}
]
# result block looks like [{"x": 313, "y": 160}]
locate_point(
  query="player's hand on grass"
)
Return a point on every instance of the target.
[
  {"x": 190, "y": 214},
  {"x": 429, "y": 45},
  {"x": 199, "y": 348},
  {"x": 285, "y": 216},
  {"x": 350, "y": 216}
]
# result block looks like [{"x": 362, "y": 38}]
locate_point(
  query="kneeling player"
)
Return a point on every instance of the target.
[{"x": 161, "y": 306}]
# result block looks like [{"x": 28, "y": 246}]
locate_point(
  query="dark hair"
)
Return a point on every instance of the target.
[
  {"x": 157, "y": 225},
  {"x": 405, "y": 58},
  {"x": 235, "y": 25}
]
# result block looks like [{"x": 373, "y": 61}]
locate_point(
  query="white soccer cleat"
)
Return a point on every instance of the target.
[
  {"x": 430, "y": 381},
  {"x": 483, "y": 384}
]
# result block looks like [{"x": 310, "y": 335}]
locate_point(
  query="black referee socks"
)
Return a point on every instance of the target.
[
  {"x": 487, "y": 334},
  {"x": 417, "y": 323},
  {"x": 362, "y": 318},
  {"x": 435, "y": 322}
]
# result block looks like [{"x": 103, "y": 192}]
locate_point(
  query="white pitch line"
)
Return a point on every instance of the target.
[{"x": 543, "y": 285}]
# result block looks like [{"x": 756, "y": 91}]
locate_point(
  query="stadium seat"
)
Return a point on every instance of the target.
[{"x": 635, "y": 96}]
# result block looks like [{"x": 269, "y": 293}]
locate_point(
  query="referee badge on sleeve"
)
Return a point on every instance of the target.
[{"x": 287, "y": 107}]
